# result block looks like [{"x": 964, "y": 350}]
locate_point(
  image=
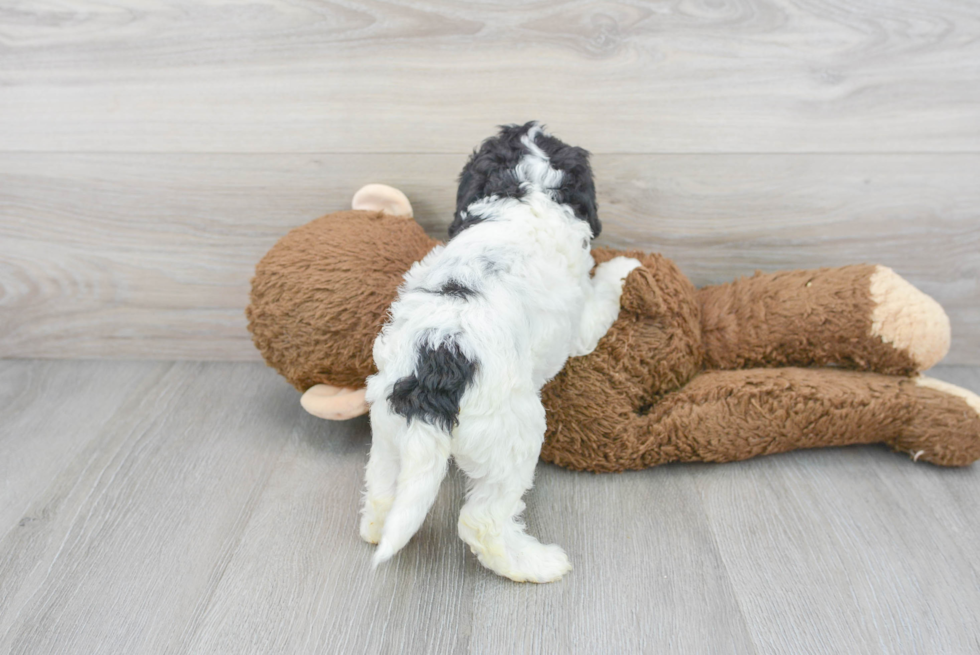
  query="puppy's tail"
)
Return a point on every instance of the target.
[
  {"x": 424, "y": 451},
  {"x": 429, "y": 401}
]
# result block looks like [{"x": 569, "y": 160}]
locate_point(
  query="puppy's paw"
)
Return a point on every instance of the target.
[
  {"x": 615, "y": 271},
  {"x": 373, "y": 518},
  {"x": 539, "y": 563},
  {"x": 530, "y": 562},
  {"x": 602, "y": 312}
]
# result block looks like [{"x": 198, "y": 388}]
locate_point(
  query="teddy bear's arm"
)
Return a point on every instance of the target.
[
  {"x": 863, "y": 316},
  {"x": 724, "y": 416}
]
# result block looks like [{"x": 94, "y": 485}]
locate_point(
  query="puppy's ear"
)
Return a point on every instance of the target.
[
  {"x": 578, "y": 187},
  {"x": 489, "y": 172},
  {"x": 470, "y": 190}
]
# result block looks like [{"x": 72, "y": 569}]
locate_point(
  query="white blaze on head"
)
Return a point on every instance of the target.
[{"x": 535, "y": 167}]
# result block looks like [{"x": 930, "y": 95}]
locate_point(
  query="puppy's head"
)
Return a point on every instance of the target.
[{"x": 522, "y": 158}]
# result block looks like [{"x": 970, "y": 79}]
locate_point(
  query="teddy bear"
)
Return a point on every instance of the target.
[{"x": 764, "y": 364}]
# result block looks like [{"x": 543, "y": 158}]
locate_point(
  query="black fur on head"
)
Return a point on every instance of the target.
[{"x": 492, "y": 171}]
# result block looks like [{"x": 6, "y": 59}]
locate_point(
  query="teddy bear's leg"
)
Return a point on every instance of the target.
[
  {"x": 865, "y": 317},
  {"x": 742, "y": 414},
  {"x": 724, "y": 416}
]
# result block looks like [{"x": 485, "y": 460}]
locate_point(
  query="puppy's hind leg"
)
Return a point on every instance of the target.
[
  {"x": 499, "y": 453},
  {"x": 423, "y": 452}
]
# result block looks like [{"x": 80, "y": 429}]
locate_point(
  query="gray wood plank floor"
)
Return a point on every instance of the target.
[{"x": 155, "y": 507}]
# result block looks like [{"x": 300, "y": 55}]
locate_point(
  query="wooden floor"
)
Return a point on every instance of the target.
[{"x": 159, "y": 507}]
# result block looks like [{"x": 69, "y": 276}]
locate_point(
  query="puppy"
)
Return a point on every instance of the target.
[{"x": 479, "y": 326}]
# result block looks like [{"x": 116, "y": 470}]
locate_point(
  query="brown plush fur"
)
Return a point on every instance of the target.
[
  {"x": 320, "y": 295},
  {"x": 652, "y": 391},
  {"x": 797, "y": 318}
]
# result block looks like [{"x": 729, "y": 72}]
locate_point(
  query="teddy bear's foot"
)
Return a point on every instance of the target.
[
  {"x": 334, "y": 403},
  {"x": 945, "y": 426},
  {"x": 382, "y": 198},
  {"x": 908, "y": 319}
]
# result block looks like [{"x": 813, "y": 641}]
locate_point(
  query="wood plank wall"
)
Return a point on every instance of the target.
[{"x": 151, "y": 152}]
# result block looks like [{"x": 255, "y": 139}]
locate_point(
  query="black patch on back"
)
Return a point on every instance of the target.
[{"x": 432, "y": 393}]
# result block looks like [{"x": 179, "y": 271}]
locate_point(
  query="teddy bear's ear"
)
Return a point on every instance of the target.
[
  {"x": 382, "y": 198},
  {"x": 334, "y": 403}
]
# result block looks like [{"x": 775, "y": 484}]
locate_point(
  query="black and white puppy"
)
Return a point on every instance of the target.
[{"x": 479, "y": 326}]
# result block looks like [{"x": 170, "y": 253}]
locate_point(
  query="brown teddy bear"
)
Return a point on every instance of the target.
[{"x": 766, "y": 364}]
